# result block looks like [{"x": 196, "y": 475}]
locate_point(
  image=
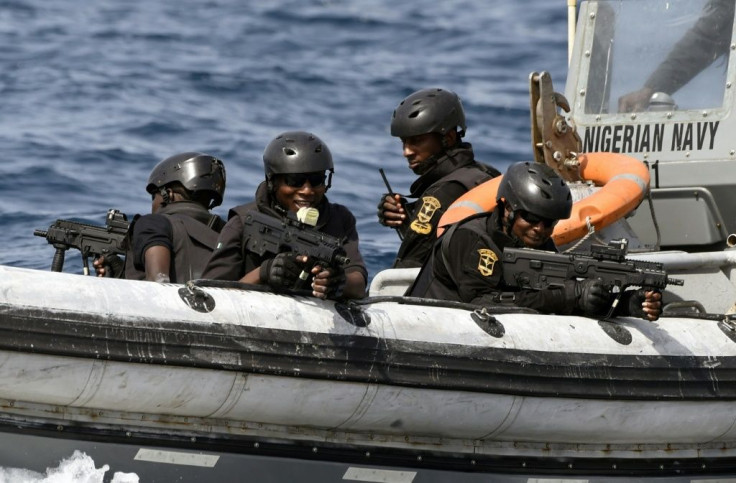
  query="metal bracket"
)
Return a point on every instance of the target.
[
  {"x": 488, "y": 323},
  {"x": 728, "y": 327},
  {"x": 554, "y": 141}
]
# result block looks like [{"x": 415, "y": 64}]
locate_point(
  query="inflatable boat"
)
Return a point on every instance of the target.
[
  {"x": 146, "y": 375},
  {"x": 213, "y": 381}
]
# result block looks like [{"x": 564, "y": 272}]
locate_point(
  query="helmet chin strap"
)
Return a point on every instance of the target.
[
  {"x": 273, "y": 202},
  {"x": 445, "y": 145},
  {"x": 507, "y": 222},
  {"x": 431, "y": 161},
  {"x": 164, "y": 192}
]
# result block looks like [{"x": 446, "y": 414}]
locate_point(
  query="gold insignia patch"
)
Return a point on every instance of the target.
[
  {"x": 421, "y": 223},
  {"x": 488, "y": 259}
]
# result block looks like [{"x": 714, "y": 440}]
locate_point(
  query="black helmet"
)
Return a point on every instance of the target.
[
  {"x": 296, "y": 152},
  {"x": 537, "y": 189},
  {"x": 197, "y": 172},
  {"x": 428, "y": 110}
]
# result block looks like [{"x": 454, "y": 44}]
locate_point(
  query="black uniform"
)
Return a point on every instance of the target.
[
  {"x": 186, "y": 228},
  {"x": 466, "y": 266},
  {"x": 455, "y": 173},
  {"x": 232, "y": 260},
  {"x": 469, "y": 269},
  {"x": 707, "y": 40}
]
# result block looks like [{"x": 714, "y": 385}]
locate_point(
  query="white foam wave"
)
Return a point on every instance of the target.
[{"x": 78, "y": 468}]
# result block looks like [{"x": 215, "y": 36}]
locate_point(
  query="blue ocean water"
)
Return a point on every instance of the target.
[{"x": 94, "y": 94}]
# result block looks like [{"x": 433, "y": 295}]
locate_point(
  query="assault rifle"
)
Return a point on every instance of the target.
[
  {"x": 267, "y": 234},
  {"x": 538, "y": 269},
  {"x": 89, "y": 239}
]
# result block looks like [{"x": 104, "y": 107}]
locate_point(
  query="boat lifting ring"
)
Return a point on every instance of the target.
[
  {"x": 196, "y": 298},
  {"x": 488, "y": 323}
]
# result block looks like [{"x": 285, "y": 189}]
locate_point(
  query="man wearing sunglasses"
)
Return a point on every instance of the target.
[
  {"x": 298, "y": 168},
  {"x": 430, "y": 124},
  {"x": 466, "y": 262}
]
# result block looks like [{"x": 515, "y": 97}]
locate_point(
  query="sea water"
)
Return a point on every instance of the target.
[{"x": 94, "y": 94}]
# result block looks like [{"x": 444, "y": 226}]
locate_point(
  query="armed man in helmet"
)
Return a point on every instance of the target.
[
  {"x": 430, "y": 124},
  {"x": 298, "y": 168},
  {"x": 173, "y": 243},
  {"x": 466, "y": 262}
]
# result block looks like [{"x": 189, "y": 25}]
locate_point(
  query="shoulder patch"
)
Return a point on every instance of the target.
[
  {"x": 421, "y": 223},
  {"x": 487, "y": 261}
]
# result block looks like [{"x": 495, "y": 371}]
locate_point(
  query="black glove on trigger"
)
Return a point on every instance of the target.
[{"x": 337, "y": 283}]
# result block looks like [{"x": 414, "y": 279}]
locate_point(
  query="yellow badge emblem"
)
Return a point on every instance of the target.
[
  {"x": 421, "y": 223},
  {"x": 487, "y": 261}
]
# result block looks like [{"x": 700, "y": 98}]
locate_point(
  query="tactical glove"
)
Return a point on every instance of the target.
[
  {"x": 281, "y": 272},
  {"x": 589, "y": 296},
  {"x": 631, "y": 304},
  {"x": 594, "y": 299},
  {"x": 336, "y": 283},
  {"x": 116, "y": 266}
]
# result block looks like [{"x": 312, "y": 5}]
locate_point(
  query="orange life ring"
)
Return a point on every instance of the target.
[{"x": 624, "y": 181}]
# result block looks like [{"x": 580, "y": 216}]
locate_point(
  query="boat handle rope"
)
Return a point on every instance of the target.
[
  {"x": 401, "y": 299},
  {"x": 207, "y": 283},
  {"x": 192, "y": 285},
  {"x": 591, "y": 231}
]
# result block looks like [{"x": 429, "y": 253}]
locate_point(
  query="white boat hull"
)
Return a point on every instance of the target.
[{"x": 81, "y": 355}]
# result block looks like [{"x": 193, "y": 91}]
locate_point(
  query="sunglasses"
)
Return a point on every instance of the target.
[
  {"x": 533, "y": 219},
  {"x": 298, "y": 180}
]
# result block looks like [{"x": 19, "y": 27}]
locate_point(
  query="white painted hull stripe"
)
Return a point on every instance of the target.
[
  {"x": 375, "y": 475},
  {"x": 176, "y": 458}
]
